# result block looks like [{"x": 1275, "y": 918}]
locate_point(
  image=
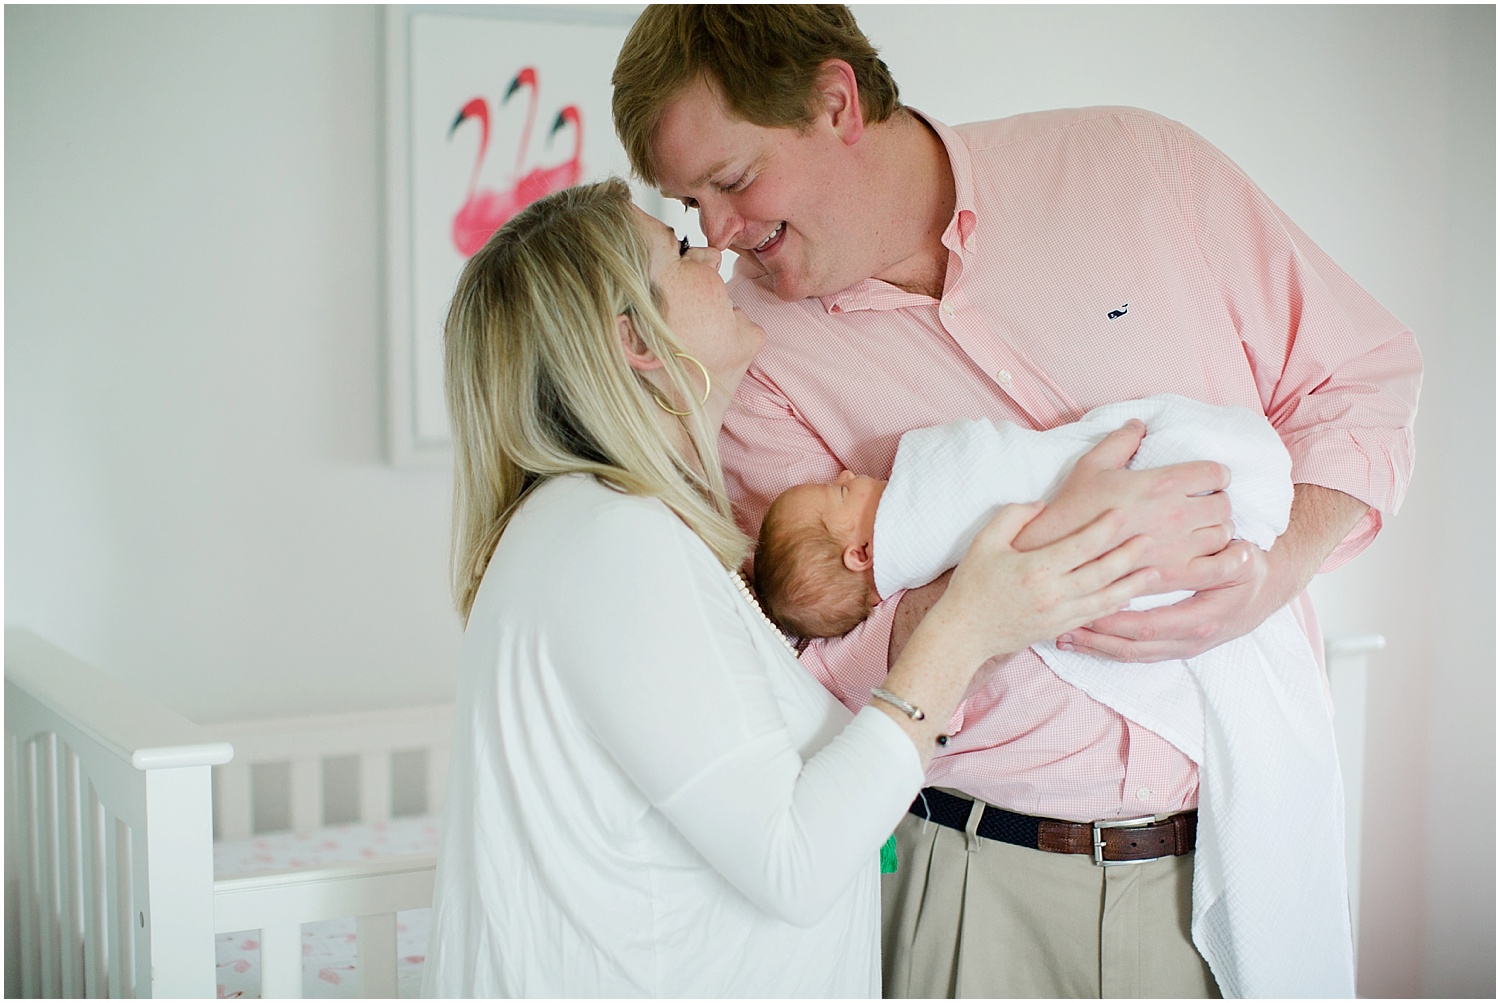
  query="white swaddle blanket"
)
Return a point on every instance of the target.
[{"x": 1270, "y": 891}]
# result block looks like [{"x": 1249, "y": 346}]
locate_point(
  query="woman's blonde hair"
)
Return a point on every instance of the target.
[{"x": 538, "y": 384}]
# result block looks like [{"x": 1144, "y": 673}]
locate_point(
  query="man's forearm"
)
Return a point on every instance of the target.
[
  {"x": 1320, "y": 519},
  {"x": 910, "y": 610}
]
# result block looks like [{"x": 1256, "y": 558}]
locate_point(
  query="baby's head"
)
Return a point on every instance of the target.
[{"x": 815, "y": 562}]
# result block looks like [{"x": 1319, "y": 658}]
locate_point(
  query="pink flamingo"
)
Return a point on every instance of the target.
[
  {"x": 526, "y": 78},
  {"x": 486, "y": 210},
  {"x": 546, "y": 180},
  {"x": 472, "y": 224}
]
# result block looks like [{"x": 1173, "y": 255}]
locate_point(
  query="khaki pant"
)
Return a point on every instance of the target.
[{"x": 966, "y": 916}]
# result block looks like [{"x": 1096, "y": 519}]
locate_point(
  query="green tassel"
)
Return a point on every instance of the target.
[{"x": 888, "y": 856}]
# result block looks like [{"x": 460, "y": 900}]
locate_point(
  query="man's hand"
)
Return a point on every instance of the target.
[{"x": 1257, "y": 585}]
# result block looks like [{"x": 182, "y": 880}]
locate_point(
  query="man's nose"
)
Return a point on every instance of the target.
[{"x": 720, "y": 225}]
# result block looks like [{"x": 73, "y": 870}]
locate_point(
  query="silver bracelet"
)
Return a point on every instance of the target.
[{"x": 911, "y": 710}]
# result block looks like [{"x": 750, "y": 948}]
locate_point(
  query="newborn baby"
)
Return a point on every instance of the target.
[{"x": 828, "y": 553}]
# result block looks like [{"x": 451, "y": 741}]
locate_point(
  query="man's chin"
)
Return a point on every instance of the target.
[{"x": 788, "y": 288}]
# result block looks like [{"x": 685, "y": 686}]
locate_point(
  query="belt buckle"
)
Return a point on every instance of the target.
[{"x": 1117, "y": 823}]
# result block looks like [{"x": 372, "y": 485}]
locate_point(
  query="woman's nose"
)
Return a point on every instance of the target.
[{"x": 712, "y": 255}]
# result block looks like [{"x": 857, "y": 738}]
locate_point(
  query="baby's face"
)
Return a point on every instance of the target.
[{"x": 847, "y": 507}]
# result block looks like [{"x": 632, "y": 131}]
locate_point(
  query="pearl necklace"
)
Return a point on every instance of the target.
[{"x": 744, "y": 587}]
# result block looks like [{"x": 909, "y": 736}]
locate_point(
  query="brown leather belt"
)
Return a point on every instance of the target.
[{"x": 1110, "y": 841}]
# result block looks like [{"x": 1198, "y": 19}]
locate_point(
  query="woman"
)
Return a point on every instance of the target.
[{"x": 649, "y": 795}]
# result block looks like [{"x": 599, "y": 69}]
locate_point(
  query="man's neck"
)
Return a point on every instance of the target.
[{"x": 915, "y": 184}]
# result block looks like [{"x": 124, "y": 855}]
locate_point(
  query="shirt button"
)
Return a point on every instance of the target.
[
  {"x": 948, "y": 310},
  {"x": 1144, "y": 794},
  {"x": 1004, "y": 377}
]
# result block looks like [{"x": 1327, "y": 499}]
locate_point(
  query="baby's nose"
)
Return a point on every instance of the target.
[{"x": 844, "y": 475}]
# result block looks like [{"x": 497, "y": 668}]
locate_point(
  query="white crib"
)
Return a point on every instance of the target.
[
  {"x": 111, "y": 808},
  {"x": 112, "y": 803}
]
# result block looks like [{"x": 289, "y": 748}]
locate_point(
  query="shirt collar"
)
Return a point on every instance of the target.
[{"x": 959, "y": 237}]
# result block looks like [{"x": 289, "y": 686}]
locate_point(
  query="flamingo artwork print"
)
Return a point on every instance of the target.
[
  {"x": 484, "y": 210},
  {"x": 490, "y": 108}
]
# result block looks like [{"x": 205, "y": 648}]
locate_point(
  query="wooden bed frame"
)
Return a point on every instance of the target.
[{"x": 111, "y": 803}]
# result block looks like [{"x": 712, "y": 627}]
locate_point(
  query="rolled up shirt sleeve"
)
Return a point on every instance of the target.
[{"x": 1338, "y": 375}]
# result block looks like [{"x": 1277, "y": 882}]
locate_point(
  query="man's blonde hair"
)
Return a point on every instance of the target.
[
  {"x": 538, "y": 384},
  {"x": 764, "y": 58},
  {"x": 800, "y": 575}
]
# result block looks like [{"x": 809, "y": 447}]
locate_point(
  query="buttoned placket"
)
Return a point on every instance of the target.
[
  {"x": 1139, "y": 789},
  {"x": 965, "y": 324}
]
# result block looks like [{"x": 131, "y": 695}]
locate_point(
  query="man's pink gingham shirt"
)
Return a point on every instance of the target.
[{"x": 1096, "y": 255}]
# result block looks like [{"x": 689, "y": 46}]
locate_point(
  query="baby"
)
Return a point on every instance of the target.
[
  {"x": 828, "y": 553},
  {"x": 814, "y": 563}
]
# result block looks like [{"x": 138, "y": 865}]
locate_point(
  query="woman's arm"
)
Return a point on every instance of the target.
[{"x": 1000, "y": 600}]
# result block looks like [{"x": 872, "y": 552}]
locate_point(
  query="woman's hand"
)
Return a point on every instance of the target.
[
  {"x": 1001, "y": 600},
  {"x": 1182, "y": 508},
  {"x": 1005, "y": 599}
]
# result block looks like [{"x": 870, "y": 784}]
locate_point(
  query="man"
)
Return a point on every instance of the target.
[{"x": 908, "y": 273}]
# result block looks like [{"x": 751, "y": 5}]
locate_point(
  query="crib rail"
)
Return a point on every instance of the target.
[
  {"x": 98, "y": 902},
  {"x": 277, "y": 903},
  {"x": 372, "y": 738}
]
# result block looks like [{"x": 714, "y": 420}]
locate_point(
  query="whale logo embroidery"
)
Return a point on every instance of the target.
[{"x": 1115, "y": 314}]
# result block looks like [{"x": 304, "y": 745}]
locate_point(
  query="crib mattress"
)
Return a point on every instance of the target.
[{"x": 328, "y": 947}]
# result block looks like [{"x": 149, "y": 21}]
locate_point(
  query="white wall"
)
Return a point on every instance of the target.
[{"x": 196, "y": 495}]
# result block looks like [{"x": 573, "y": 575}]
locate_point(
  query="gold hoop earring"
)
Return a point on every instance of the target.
[{"x": 708, "y": 384}]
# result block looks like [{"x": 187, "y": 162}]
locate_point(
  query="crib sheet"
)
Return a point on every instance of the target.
[{"x": 328, "y": 947}]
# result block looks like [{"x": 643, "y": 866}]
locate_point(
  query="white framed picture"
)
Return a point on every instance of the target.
[{"x": 488, "y": 109}]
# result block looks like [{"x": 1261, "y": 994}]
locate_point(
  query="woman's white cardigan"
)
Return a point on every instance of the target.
[{"x": 649, "y": 796}]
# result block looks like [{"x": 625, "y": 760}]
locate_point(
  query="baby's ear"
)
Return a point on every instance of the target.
[{"x": 857, "y": 557}]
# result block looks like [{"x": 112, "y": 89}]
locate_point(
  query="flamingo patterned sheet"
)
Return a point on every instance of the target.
[{"x": 327, "y": 948}]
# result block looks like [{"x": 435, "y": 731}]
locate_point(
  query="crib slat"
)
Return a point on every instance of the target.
[
  {"x": 29, "y": 868},
  {"x": 437, "y": 778},
  {"x": 174, "y": 881},
  {"x": 307, "y": 793},
  {"x": 375, "y": 948},
  {"x": 47, "y": 836},
  {"x": 96, "y": 958},
  {"x": 121, "y": 885},
  {"x": 375, "y": 786},
  {"x": 232, "y": 800},
  {"x": 13, "y": 870},
  {"x": 70, "y": 846},
  {"x": 281, "y": 962}
]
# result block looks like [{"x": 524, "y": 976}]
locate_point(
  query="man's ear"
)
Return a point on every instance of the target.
[
  {"x": 857, "y": 557},
  {"x": 838, "y": 94},
  {"x": 637, "y": 354}
]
